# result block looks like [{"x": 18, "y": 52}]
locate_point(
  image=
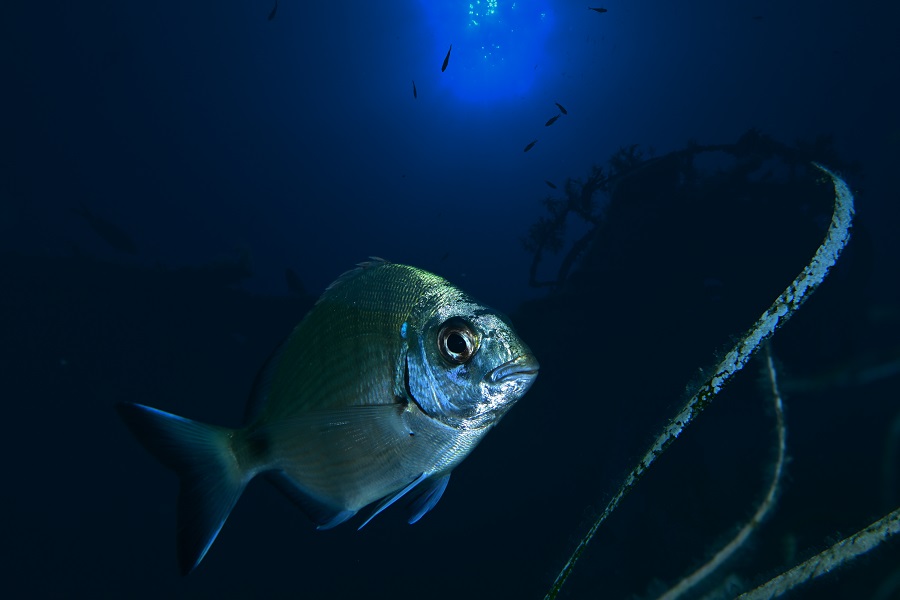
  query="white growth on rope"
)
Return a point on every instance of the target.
[
  {"x": 765, "y": 506},
  {"x": 828, "y": 560},
  {"x": 778, "y": 313}
]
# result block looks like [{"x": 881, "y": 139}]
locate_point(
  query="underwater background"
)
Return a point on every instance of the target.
[{"x": 179, "y": 181}]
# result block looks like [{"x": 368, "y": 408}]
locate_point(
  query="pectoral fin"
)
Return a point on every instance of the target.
[
  {"x": 333, "y": 462},
  {"x": 384, "y": 503},
  {"x": 427, "y": 491},
  {"x": 429, "y": 494}
]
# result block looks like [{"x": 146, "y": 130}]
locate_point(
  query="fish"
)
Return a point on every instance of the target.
[
  {"x": 380, "y": 391},
  {"x": 274, "y": 10},
  {"x": 224, "y": 272},
  {"x": 530, "y": 145},
  {"x": 116, "y": 237},
  {"x": 599, "y": 10},
  {"x": 415, "y": 92},
  {"x": 551, "y": 121},
  {"x": 550, "y": 184},
  {"x": 561, "y": 108},
  {"x": 446, "y": 59},
  {"x": 294, "y": 283}
]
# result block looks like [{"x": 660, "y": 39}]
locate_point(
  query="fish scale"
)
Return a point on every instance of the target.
[{"x": 337, "y": 344}]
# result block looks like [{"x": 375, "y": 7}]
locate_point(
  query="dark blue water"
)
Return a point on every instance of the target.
[{"x": 163, "y": 164}]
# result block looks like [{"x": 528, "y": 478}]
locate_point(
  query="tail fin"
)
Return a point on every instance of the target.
[{"x": 211, "y": 478}]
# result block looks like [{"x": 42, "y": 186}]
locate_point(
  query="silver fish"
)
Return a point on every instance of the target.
[{"x": 384, "y": 387}]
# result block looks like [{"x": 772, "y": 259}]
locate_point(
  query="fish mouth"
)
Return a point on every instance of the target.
[{"x": 523, "y": 367}]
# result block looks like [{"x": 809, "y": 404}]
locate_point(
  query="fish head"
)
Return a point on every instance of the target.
[{"x": 466, "y": 366}]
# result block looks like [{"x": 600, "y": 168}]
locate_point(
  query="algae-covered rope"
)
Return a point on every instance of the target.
[{"x": 777, "y": 314}]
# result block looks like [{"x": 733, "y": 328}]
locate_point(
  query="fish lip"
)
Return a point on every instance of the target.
[{"x": 526, "y": 364}]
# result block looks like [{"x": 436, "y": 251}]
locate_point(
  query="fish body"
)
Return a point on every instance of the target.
[
  {"x": 274, "y": 10},
  {"x": 415, "y": 92},
  {"x": 380, "y": 391},
  {"x": 550, "y": 184},
  {"x": 551, "y": 121},
  {"x": 599, "y": 10},
  {"x": 446, "y": 60},
  {"x": 561, "y": 108},
  {"x": 530, "y": 145},
  {"x": 117, "y": 238},
  {"x": 294, "y": 283}
]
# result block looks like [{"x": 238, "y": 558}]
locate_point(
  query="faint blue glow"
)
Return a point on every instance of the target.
[{"x": 498, "y": 46}]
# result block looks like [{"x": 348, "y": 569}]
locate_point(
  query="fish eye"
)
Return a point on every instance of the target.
[{"x": 457, "y": 341}]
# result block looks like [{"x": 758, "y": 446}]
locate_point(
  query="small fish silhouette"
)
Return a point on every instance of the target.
[
  {"x": 550, "y": 184},
  {"x": 599, "y": 10},
  {"x": 530, "y": 145},
  {"x": 561, "y": 108},
  {"x": 446, "y": 59},
  {"x": 274, "y": 10},
  {"x": 294, "y": 284},
  {"x": 415, "y": 93},
  {"x": 117, "y": 238},
  {"x": 551, "y": 121}
]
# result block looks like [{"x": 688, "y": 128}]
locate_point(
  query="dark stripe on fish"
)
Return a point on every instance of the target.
[{"x": 409, "y": 393}]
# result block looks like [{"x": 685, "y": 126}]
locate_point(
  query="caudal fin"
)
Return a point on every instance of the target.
[{"x": 211, "y": 478}]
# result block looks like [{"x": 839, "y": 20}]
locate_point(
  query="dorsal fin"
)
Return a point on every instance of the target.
[{"x": 374, "y": 261}]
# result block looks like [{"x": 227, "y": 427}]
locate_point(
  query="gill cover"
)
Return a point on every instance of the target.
[{"x": 454, "y": 355}]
